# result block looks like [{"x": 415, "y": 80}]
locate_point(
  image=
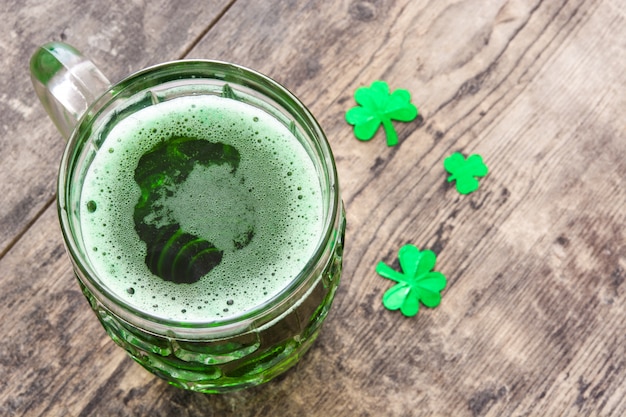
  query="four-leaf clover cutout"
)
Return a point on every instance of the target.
[
  {"x": 465, "y": 171},
  {"x": 416, "y": 283},
  {"x": 378, "y": 106}
]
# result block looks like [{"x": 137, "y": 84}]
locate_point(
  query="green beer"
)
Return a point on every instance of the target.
[{"x": 200, "y": 208}]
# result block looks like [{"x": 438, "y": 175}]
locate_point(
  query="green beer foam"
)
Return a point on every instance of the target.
[{"x": 200, "y": 208}]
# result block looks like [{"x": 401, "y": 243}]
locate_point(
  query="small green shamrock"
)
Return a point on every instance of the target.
[
  {"x": 464, "y": 171},
  {"x": 378, "y": 106},
  {"x": 416, "y": 283}
]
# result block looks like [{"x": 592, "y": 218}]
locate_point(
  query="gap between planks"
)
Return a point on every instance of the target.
[
  {"x": 210, "y": 26},
  {"x": 26, "y": 228}
]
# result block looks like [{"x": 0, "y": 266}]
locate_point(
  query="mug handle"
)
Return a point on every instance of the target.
[{"x": 66, "y": 83}]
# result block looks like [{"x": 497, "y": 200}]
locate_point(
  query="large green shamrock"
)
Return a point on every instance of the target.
[
  {"x": 416, "y": 282},
  {"x": 464, "y": 171},
  {"x": 378, "y": 106}
]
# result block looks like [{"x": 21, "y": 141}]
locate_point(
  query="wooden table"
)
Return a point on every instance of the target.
[{"x": 532, "y": 321}]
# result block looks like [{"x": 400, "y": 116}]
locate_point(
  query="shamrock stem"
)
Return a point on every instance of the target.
[
  {"x": 386, "y": 271},
  {"x": 390, "y": 131}
]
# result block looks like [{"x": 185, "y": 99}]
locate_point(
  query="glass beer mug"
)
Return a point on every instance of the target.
[{"x": 200, "y": 208}]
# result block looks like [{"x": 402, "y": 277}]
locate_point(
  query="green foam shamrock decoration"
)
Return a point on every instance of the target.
[
  {"x": 377, "y": 106},
  {"x": 416, "y": 282},
  {"x": 465, "y": 171}
]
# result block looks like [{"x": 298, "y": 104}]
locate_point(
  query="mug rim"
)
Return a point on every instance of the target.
[{"x": 269, "y": 310}]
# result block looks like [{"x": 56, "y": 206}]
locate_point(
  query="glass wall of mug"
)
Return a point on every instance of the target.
[{"x": 246, "y": 343}]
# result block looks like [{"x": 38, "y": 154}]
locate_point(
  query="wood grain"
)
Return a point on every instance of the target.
[{"x": 532, "y": 320}]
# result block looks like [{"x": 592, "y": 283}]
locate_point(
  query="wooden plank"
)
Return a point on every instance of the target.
[
  {"x": 535, "y": 259},
  {"x": 531, "y": 322},
  {"x": 121, "y": 37},
  {"x": 49, "y": 342}
]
